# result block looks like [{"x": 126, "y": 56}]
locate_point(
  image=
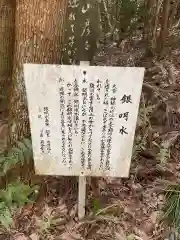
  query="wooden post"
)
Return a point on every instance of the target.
[
  {"x": 82, "y": 197},
  {"x": 82, "y": 181}
]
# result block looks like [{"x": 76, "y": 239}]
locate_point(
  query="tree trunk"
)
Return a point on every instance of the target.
[
  {"x": 149, "y": 6},
  {"x": 7, "y": 18},
  {"x": 164, "y": 24},
  {"x": 173, "y": 11},
  {"x": 155, "y": 25},
  {"x": 39, "y": 32},
  {"x": 82, "y": 31}
]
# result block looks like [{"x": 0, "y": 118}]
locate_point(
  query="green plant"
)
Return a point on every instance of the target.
[
  {"x": 144, "y": 115},
  {"x": 16, "y": 195},
  {"x": 131, "y": 15},
  {"x": 19, "y": 154},
  {"x": 115, "y": 209},
  {"x": 120, "y": 17},
  {"x": 139, "y": 144},
  {"x": 132, "y": 237},
  {"x": 143, "y": 126},
  {"x": 164, "y": 153},
  {"x": 96, "y": 205},
  {"x": 171, "y": 207},
  {"x": 6, "y": 219},
  {"x": 49, "y": 222}
]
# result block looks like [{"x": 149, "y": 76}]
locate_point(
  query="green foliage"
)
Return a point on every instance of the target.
[
  {"x": 164, "y": 153},
  {"x": 96, "y": 205},
  {"x": 130, "y": 14},
  {"x": 49, "y": 222},
  {"x": 172, "y": 205},
  {"x": 141, "y": 139},
  {"x": 6, "y": 219},
  {"x": 46, "y": 223},
  {"x": 139, "y": 145},
  {"x": 144, "y": 115},
  {"x": 19, "y": 154},
  {"x": 132, "y": 237},
  {"x": 127, "y": 12},
  {"x": 143, "y": 126},
  {"x": 15, "y": 195}
]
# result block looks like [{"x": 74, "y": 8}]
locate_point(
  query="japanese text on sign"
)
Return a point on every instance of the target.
[{"x": 83, "y": 118}]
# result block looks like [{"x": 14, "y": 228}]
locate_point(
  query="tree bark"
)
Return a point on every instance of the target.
[
  {"x": 173, "y": 11},
  {"x": 164, "y": 24},
  {"x": 155, "y": 25},
  {"x": 151, "y": 8},
  {"x": 7, "y": 19},
  {"x": 39, "y": 33}
]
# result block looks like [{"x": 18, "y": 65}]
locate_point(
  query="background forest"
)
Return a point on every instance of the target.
[{"x": 106, "y": 32}]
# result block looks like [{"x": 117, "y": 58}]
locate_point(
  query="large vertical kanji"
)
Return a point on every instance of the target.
[{"x": 82, "y": 31}]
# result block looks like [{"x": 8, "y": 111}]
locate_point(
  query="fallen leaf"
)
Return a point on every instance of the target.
[
  {"x": 34, "y": 236},
  {"x": 120, "y": 236},
  {"x": 20, "y": 236},
  {"x": 140, "y": 234},
  {"x": 154, "y": 217},
  {"x": 71, "y": 236}
]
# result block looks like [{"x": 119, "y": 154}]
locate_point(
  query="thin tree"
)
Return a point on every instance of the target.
[
  {"x": 149, "y": 19},
  {"x": 164, "y": 25}
]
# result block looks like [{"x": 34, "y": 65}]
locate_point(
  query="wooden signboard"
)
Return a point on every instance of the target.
[{"x": 83, "y": 118}]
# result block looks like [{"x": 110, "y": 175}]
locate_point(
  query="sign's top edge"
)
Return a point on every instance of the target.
[{"x": 80, "y": 66}]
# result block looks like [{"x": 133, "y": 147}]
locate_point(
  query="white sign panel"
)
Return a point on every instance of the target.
[{"x": 83, "y": 118}]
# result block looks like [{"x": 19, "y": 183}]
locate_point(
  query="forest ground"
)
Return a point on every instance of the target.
[{"x": 127, "y": 209}]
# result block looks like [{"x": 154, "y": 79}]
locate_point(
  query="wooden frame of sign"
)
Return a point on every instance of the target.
[{"x": 82, "y": 119}]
